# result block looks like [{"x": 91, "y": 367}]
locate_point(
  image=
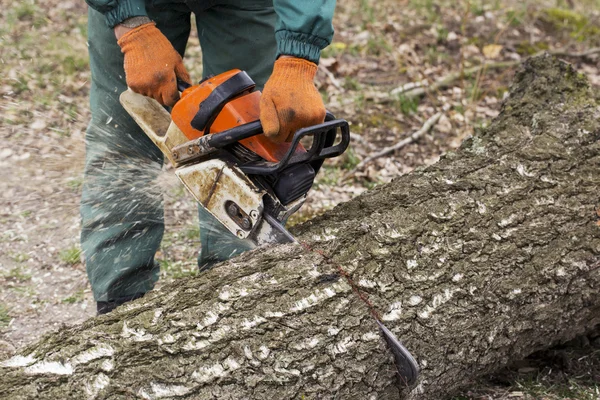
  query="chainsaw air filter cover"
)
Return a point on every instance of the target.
[{"x": 293, "y": 182}]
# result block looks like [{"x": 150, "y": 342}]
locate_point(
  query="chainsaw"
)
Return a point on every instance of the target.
[{"x": 214, "y": 140}]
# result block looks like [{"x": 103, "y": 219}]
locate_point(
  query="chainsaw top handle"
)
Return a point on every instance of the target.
[{"x": 324, "y": 136}]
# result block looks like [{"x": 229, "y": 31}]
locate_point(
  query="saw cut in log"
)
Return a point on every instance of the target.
[{"x": 482, "y": 258}]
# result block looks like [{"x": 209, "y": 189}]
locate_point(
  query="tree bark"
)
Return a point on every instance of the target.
[{"x": 487, "y": 256}]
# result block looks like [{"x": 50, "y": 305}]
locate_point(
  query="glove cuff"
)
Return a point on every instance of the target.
[
  {"x": 141, "y": 33},
  {"x": 286, "y": 68}
]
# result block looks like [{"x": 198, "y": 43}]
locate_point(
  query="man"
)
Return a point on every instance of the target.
[{"x": 140, "y": 44}]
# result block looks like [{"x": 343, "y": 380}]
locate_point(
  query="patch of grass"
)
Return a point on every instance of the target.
[
  {"x": 70, "y": 256},
  {"x": 427, "y": 8},
  {"x": 351, "y": 83},
  {"x": 75, "y": 63},
  {"x": 473, "y": 91},
  {"x": 370, "y": 184},
  {"x": 192, "y": 232},
  {"x": 349, "y": 159},
  {"x": 177, "y": 269},
  {"x": 407, "y": 105},
  {"x": 17, "y": 274},
  {"x": 477, "y": 9},
  {"x": 76, "y": 297},
  {"x": 360, "y": 100},
  {"x": 441, "y": 33},
  {"x": 566, "y": 372},
  {"x": 435, "y": 56},
  {"x": 75, "y": 183},
  {"x": 26, "y": 11},
  {"x": 72, "y": 110},
  {"x": 19, "y": 85},
  {"x": 27, "y": 291},
  {"x": 20, "y": 257},
  {"x": 82, "y": 26},
  {"x": 4, "y": 316},
  {"x": 533, "y": 387},
  {"x": 328, "y": 176},
  {"x": 515, "y": 18},
  {"x": 527, "y": 48},
  {"x": 378, "y": 45},
  {"x": 367, "y": 11},
  {"x": 26, "y": 213},
  {"x": 302, "y": 216},
  {"x": 578, "y": 25}
]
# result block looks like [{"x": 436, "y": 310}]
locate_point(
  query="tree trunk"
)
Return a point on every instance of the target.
[{"x": 482, "y": 258}]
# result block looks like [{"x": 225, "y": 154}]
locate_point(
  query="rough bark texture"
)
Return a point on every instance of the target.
[{"x": 487, "y": 256}]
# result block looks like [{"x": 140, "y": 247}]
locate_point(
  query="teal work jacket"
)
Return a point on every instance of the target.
[{"x": 304, "y": 27}]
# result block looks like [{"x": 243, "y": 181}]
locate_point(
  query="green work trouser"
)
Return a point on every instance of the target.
[{"x": 121, "y": 204}]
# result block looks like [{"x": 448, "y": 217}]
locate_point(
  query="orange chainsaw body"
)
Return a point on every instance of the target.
[{"x": 242, "y": 109}]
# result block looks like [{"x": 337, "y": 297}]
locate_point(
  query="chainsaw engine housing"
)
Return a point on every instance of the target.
[{"x": 227, "y": 101}]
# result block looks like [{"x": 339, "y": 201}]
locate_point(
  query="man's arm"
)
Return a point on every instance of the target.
[
  {"x": 290, "y": 100},
  {"x": 152, "y": 66},
  {"x": 304, "y": 27},
  {"x": 117, "y": 11}
]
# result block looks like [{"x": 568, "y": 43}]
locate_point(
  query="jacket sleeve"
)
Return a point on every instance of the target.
[
  {"x": 117, "y": 11},
  {"x": 304, "y": 27}
]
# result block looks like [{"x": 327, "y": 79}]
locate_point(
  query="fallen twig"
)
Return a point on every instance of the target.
[
  {"x": 447, "y": 80},
  {"x": 408, "y": 86},
  {"x": 414, "y": 136},
  {"x": 331, "y": 77},
  {"x": 417, "y": 89}
]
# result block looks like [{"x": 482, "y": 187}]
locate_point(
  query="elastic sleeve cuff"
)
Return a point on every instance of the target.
[
  {"x": 125, "y": 9},
  {"x": 300, "y": 45}
]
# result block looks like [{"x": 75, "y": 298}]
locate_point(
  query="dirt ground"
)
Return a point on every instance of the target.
[{"x": 382, "y": 50}]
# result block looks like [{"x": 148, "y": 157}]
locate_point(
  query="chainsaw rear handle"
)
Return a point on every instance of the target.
[
  {"x": 323, "y": 137},
  {"x": 322, "y": 147}
]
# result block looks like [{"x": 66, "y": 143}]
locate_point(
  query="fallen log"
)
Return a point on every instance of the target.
[{"x": 480, "y": 259}]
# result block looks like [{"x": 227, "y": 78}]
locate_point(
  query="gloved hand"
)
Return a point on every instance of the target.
[
  {"x": 152, "y": 65},
  {"x": 290, "y": 100}
]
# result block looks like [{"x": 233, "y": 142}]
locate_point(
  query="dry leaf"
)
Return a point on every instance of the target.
[
  {"x": 338, "y": 45},
  {"x": 492, "y": 50}
]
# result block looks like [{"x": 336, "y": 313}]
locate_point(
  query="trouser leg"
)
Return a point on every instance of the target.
[
  {"x": 121, "y": 204},
  {"x": 237, "y": 35}
]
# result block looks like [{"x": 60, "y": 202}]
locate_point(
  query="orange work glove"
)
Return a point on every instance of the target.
[
  {"x": 290, "y": 100},
  {"x": 152, "y": 65}
]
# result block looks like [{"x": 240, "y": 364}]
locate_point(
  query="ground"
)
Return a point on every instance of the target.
[{"x": 379, "y": 48}]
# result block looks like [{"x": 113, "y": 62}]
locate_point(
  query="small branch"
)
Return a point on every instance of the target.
[
  {"x": 449, "y": 79},
  {"x": 413, "y": 137},
  {"x": 418, "y": 89},
  {"x": 408, "y": 86},
  {"x": 587, "y": 53}
]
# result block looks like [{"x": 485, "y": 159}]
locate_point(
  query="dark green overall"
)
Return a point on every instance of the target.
[{"x": 121, "y": 205}]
